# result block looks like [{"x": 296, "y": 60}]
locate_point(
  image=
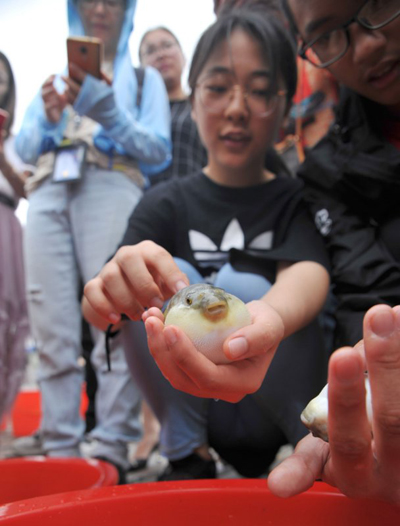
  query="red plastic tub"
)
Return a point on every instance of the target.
[
  {"x": 28, "y": 477},
  {"x": 225, "y": 502}
]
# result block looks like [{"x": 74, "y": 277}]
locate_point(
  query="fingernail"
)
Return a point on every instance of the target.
[
  {"x": 156, "y": 302},
  {"x": 237, "y": 347},
  {"x": 114, "y": 318},
  {"x": 382, "y": 323},
  {"x": 170, "y": 336},
  {"x": 180, "y": 285}
]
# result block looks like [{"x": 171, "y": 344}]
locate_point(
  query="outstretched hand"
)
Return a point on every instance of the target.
[
  {"x": 251, "y": 350},
  {"x": 358, "y": 464}
]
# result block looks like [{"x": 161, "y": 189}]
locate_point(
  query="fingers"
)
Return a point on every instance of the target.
[
  {"x": 153, "y": 312},
  {"x": 298, "y": 472},
  {"x": 190, "y": 371},
  {"x": 110, "y": 307},
  {"x": 163, "y": 268},
  {"x": 128, "y": 283},
  {"x": 72, "y": 90},
  {"x": 382, "y": 349},
  {"x": 112, "y": 293},
  {"x": 349, "y": 430},
  {"x": 76, "y": 73},
  {"x": 48, "y": 82},
  {"x": 160, "y": 350},
  {"x": 145, "y": 266},
  {"x": 263, "y": 335},
  {"x": 54, "y": 102}
]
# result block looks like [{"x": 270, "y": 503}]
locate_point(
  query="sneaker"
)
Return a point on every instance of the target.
[
  {"x": 138, "y": 464},
  {"x": 28, "y": 446},
  {"x": 189, "y": 468}
]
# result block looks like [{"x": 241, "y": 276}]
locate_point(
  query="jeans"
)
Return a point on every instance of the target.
[{"x": 72, "y": 228}]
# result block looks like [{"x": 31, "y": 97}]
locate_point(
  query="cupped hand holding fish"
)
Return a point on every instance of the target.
[
  {"x": 249, "y": 352},
  {"x": 360, "y": 463},
  {"x": 251, "y": 348}
]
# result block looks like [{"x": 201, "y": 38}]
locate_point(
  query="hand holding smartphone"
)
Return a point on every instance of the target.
[{"x": 86, "y": 53}]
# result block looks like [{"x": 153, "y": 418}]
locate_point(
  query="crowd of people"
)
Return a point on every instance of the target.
[{"x": 182, "y": 188}]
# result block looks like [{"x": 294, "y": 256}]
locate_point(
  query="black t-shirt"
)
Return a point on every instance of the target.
[{"x": 208, "y": 224}]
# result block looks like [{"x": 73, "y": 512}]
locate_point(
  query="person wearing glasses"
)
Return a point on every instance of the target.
[
  {"x": 93, "y": 148},
  {"x": 160, "y": 48},
  {"x": 352, "y": 175},
  {"x": 241, "y": 227},
  {"x": 352, "y": 182}
]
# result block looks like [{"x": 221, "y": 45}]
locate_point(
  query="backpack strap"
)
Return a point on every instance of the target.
[{"x": 139, "y": 72}]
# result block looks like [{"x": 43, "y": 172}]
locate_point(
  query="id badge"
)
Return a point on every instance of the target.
[{"x": 69, "y": 163}]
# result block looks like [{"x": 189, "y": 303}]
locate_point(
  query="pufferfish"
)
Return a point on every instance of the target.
[
  {"x": 208, "y": 315},
  {"x": 315, "y": 415}
]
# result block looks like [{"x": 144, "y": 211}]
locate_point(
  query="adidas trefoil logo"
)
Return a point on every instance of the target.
[{"x": 206, "y": 252}]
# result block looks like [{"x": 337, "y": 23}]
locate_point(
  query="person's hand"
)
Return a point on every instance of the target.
[
  {"x": 75, "y": 81},
  {"x": 251, "y": 350},
  {"x": 136, "y": 278},
  {"x": 54, "y": 102},
  {"x": 358, "y": 464}
]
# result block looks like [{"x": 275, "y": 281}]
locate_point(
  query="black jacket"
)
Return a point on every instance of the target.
[{"x": 352, "y": 180}]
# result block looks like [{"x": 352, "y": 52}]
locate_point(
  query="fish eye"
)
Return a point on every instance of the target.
[{"x": 188, "y": 300}]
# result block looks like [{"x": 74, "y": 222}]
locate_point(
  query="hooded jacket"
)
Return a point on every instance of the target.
[
  {"x": 140, "y": 133},
  {"x": 352, "y": 183}
]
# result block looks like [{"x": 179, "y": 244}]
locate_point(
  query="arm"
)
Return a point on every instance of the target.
[
  {"x": 44, "y": 123},
  {"x": 298, "y": 294},
  {"x": 293, "y": 301},
  {"x": 15, "y": 178},
  {"x": 360, "y": 465},
  {"x": 146, "y": 138}
]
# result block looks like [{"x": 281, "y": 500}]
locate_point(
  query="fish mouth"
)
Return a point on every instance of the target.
[{"x": 216, "y": 311}]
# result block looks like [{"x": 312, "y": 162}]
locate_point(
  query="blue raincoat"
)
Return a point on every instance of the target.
[{"x": 143, "y": 134}]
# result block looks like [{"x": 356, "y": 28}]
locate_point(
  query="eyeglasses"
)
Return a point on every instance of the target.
[
  {"x": 331, "y": 46},
  {"x": 166, "y": 46},
  {"x": 111, "y": 5},
  {"x": 216, "y": 93}
]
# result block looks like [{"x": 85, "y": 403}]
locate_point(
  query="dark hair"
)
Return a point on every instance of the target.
[
  {"x": 289, "y": 16},
  {"x": 8, "y": 102},
  {"x": 268, "y": 29},
  {"x": 253, "y": 4},
  {"x": 149, "y": 31}
]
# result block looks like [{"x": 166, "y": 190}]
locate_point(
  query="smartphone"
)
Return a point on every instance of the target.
[
  {"x": 85, "y": 52},
  {"x": 4, "y": 115}
]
